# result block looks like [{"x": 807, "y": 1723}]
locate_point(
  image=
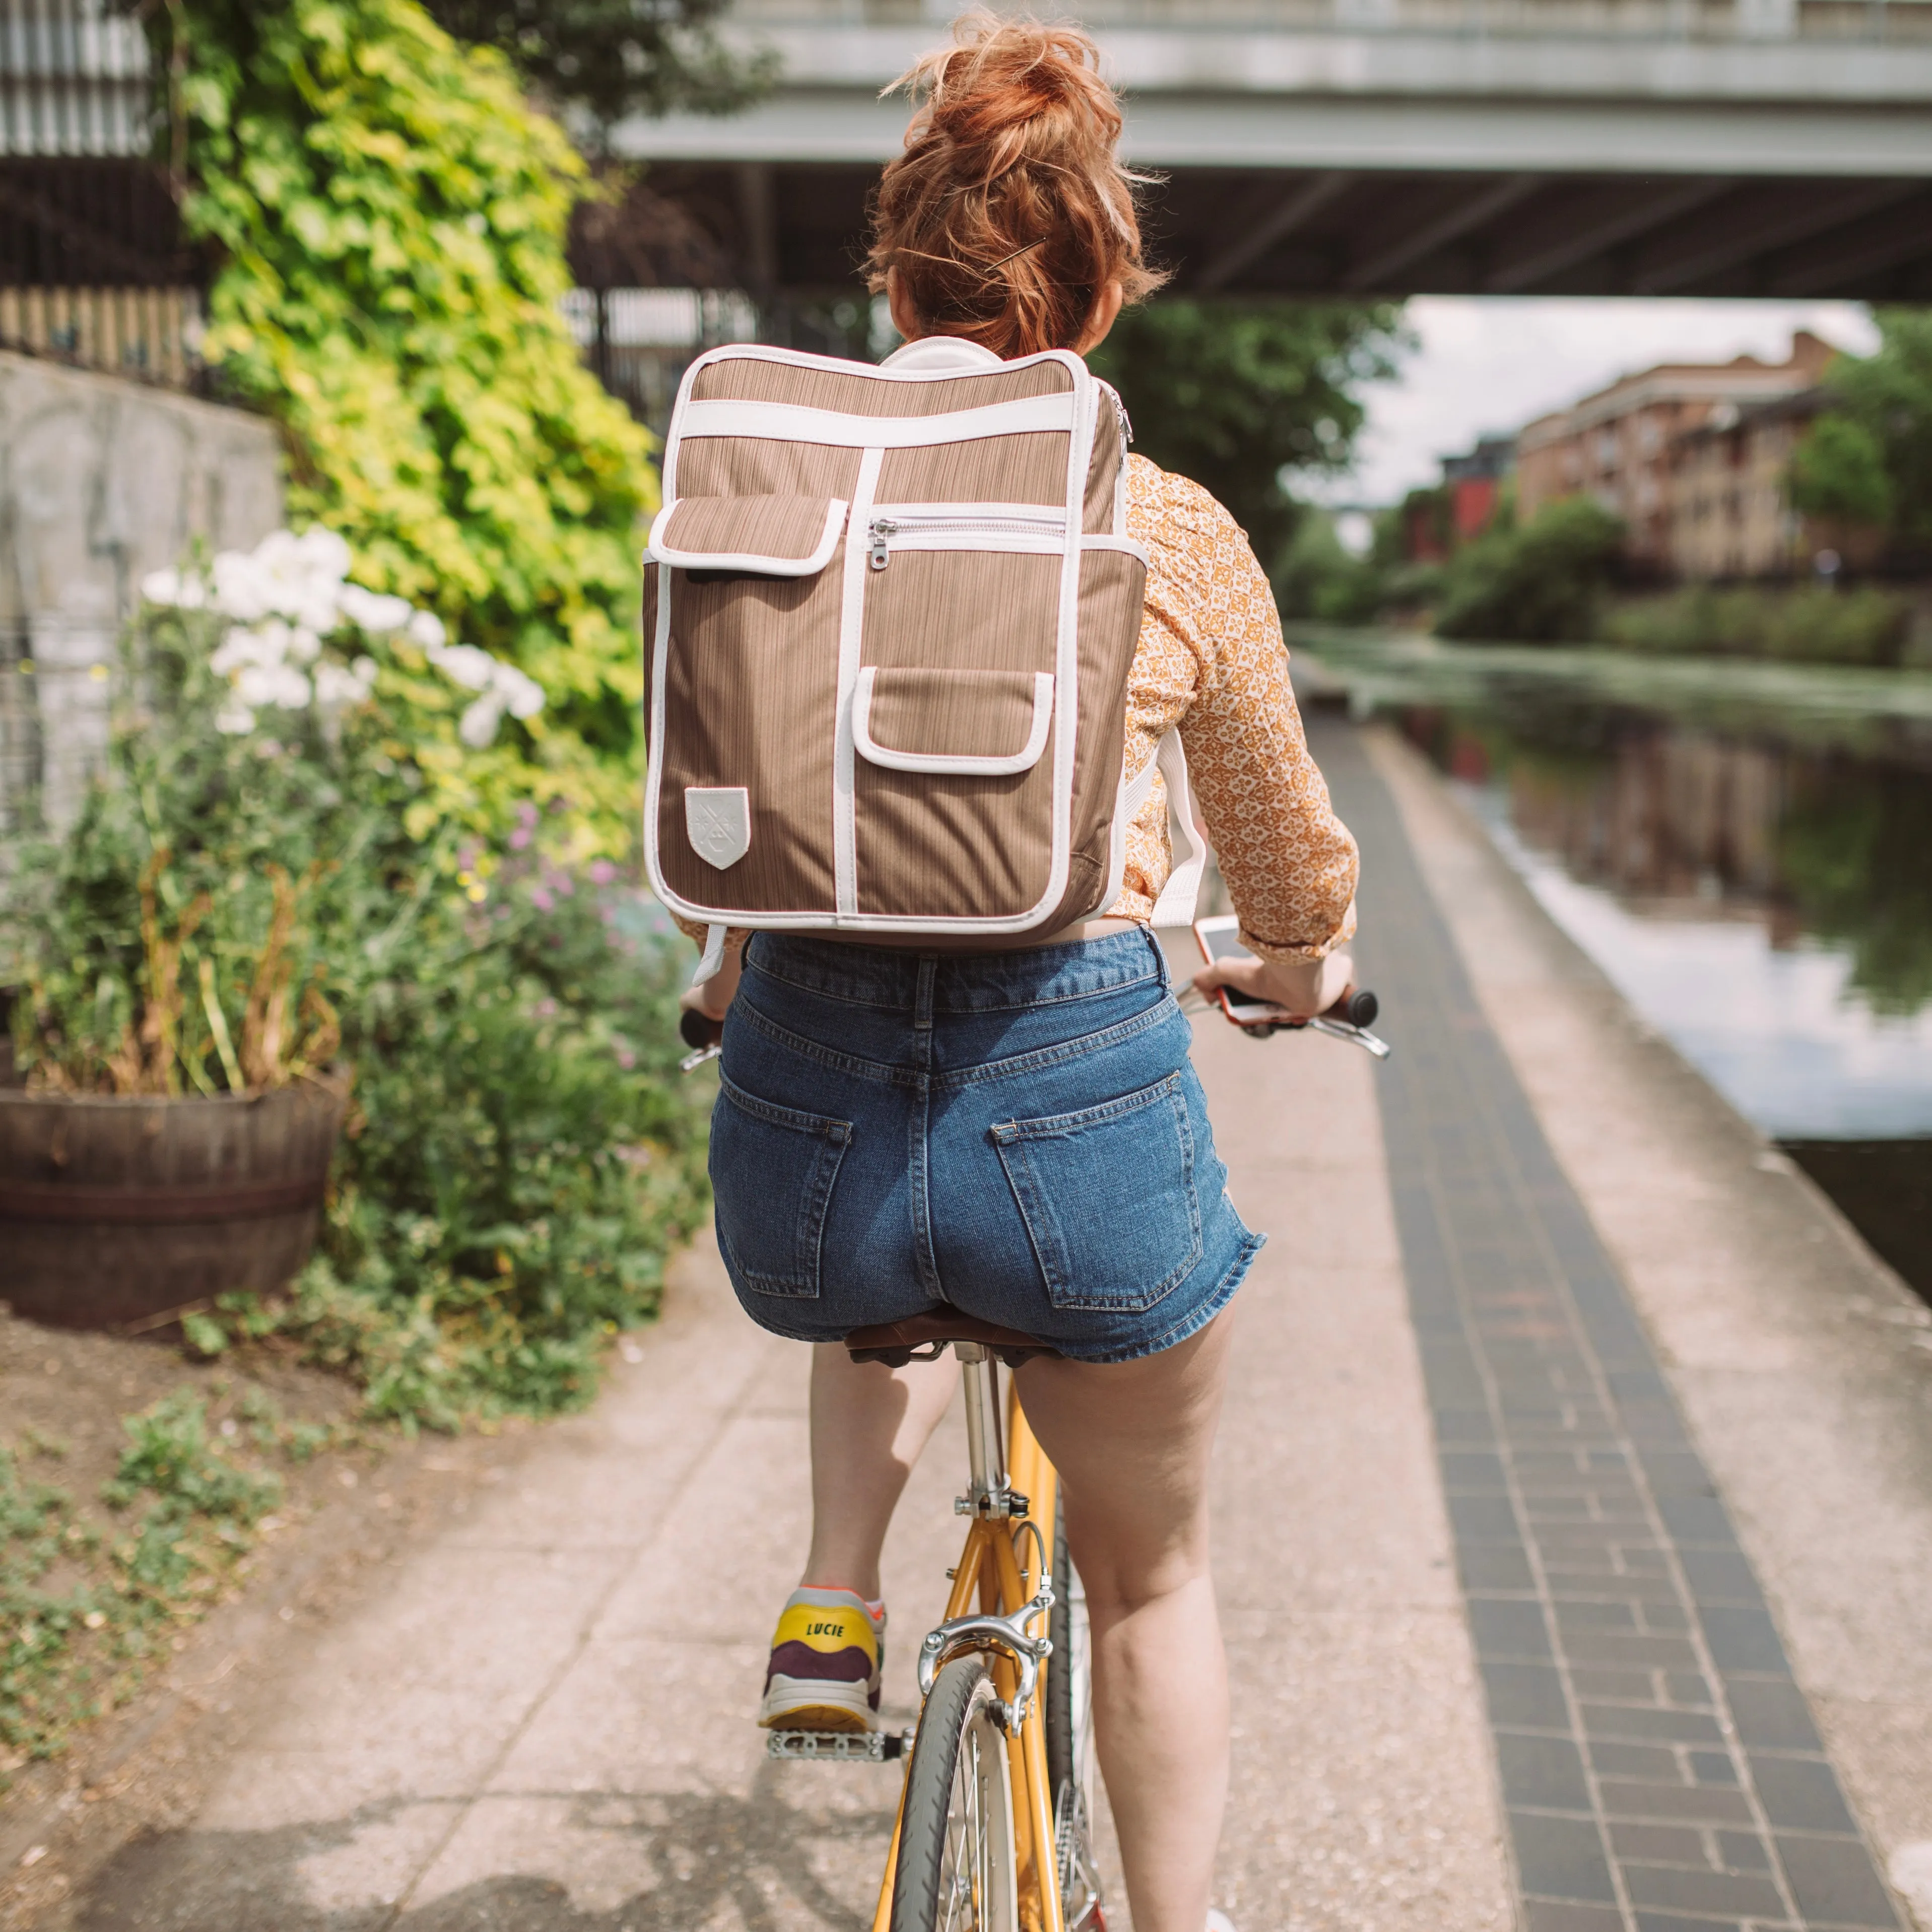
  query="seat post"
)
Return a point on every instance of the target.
[{"x": 986, "y": 1458}]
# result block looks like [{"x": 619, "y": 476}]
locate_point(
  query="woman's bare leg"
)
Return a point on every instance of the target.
[
  {"x": 868, "y": 1424},
  {"x": 1131, "y": 1442}
]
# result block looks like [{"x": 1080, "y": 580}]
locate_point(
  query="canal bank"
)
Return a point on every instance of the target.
[{"x": 1645, "y": 1507}]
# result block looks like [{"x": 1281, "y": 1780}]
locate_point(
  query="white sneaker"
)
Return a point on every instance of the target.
[{"x": 1218, "y": 1921}]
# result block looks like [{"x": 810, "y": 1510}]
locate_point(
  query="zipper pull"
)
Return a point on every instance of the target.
[{"x": 879, "y": 530}]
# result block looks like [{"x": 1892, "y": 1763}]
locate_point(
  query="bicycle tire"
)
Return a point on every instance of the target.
[
  {"x": 1069, "y": 1714},
  {"x": 956, "y": 1864}
]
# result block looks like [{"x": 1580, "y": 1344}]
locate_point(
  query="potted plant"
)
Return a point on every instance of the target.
[{"x": 284, "y": 795}]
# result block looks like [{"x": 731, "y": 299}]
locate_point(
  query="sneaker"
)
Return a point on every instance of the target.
[{"x": 824, "y": 1672}]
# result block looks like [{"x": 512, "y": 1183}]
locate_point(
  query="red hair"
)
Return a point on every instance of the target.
[{"x": 1008, "y": 212}]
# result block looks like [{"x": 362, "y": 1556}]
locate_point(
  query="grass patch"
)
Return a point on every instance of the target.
[{"x": 91, "y": 1595}]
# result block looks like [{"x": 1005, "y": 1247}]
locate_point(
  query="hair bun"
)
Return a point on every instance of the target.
[{"x": 1008, "y": 212}]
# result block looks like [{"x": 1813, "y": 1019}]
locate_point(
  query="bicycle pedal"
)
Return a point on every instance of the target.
[{"x": 850, "y": 1747}]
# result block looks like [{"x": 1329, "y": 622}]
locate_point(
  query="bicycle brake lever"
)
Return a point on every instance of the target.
[{"x": 1360, "y": 1036}]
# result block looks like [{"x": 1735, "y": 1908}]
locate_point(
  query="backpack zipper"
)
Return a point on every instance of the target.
[{"x": 880, "y": 531}]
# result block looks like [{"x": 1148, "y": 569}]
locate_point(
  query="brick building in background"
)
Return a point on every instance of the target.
[{"x": 1689, "y": 455}]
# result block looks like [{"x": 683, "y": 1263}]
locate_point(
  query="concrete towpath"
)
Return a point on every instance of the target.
[{"x": 543, "y": 1722}]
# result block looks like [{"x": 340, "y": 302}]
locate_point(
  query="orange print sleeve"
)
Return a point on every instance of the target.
[{"x": 1211, "y": 659}]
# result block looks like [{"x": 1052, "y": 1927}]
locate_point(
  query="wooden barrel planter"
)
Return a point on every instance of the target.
[{"x": 114, "y": 1212}]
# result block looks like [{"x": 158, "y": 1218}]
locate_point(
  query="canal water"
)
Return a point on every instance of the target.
[{"x": 1745, "y": 849}]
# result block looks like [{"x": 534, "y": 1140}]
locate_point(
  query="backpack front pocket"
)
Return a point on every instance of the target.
[
  {"x": 772, "y": 1170},
  {"x": 1108, "y": 1197}
]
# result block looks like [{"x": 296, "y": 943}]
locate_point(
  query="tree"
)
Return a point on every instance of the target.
[
  {"x": 1241, "y": 396},
  {"x": 1838, "y": 473},
  {"x": 1869, "y": 460},
  {"x": 612, "y": 58},
  {"x": 1541, "y": 584}
]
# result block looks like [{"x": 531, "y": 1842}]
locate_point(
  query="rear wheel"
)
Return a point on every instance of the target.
[
  {"x": 1069, "y": 1741},
  {"x": 956, "y": 1863}
]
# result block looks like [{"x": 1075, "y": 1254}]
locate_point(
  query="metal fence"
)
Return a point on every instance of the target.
[
  {"x": 151, "y": 335},
  {"x": 73, "y": 79}
]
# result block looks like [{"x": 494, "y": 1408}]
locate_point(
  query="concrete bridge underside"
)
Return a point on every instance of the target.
[{"x": 1406, "y": 160}]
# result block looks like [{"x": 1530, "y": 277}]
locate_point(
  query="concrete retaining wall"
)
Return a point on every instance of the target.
[{"x": 101, "y": 480}]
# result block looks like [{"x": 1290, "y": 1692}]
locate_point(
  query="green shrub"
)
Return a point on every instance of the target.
[
  {"x": 391, "y": 215},
  {"x": 1318, "y": 579},
  {"x": 1542, "y": 583},
  {"x": 1811, "y": 623},
  {"x": 296, "y": 855}
]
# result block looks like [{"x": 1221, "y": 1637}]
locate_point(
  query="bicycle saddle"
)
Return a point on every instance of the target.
[{"x": 920, "y": 1338}]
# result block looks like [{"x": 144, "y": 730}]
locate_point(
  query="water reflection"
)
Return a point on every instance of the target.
[{"x": 1751, "y": 866}]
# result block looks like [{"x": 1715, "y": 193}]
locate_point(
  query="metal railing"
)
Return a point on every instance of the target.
[
  {"x": 1663, "y": 20},
  {"x": 150, "y": 335},
  {"x": 73, "y": 79}
]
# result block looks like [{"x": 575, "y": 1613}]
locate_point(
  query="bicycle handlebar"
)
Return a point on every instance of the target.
[{"x": 1348, "y": 1018}]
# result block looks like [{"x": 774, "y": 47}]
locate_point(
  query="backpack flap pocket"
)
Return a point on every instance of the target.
[
  {"x": 759, "y": 536},
  {"x": 952, "y": 724}
]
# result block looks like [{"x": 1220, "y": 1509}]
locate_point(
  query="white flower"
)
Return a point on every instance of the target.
[
  {"x": 338, "y": 685},
  {"x": 241, "y": 586},
  {"x": 369, "y": 611},
  {"x": 303, "y": 645},
  {"x": 240, "y": 646},
  {"x": 181, "y": 590},
  {"x": 278, "y": 683},
  {"x": 426, "y": 629},
  {"x": 234, "y": 717},
  {"x": 523, "y": 694},
  {"x": 466, "y": 665},
  {"x": 478, "y": 725}
]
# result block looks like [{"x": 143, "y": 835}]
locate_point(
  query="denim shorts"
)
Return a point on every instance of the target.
[{"x": 1020, "y": 1134}]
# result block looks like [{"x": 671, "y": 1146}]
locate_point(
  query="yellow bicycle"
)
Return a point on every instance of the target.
[{"x": 994, "y": 1831}]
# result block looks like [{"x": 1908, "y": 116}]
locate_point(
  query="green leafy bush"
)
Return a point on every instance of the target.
[
  {"x": 390, "y": 216},
  {"x": 1542, "y": 583},
  {"x": 296, "y": 857},
  {"x": 1812, "y": 623}
]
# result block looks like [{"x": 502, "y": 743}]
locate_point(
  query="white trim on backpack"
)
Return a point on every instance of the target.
[
  {"x": 953, "y": 764},
  {"x": 792, "y": 422},
  {"x": 656, "y": 551}
]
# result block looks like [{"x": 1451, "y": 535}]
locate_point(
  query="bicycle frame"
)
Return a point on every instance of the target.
[{"x": 995, "y": 1597}]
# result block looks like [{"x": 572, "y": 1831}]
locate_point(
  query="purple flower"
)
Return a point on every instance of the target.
[
  {"x": 546, "y": 1010},
  {"x": 466, "y": 855},
  {"x": 542, "y": 900},
  {"x": 520, "y": 838},
  {"x": 526, "y": 814},
  {"x": 602, "y": 872},
  {"x": 626, "y": 1059}
]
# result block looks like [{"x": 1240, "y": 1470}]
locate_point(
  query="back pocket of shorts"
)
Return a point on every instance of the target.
[
  {"x": 772, "y": 1170},
  {"x": 1108, "y": 1197}
]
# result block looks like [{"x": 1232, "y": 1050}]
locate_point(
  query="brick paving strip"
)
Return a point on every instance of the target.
[{"x": 1658, "y": 1763}]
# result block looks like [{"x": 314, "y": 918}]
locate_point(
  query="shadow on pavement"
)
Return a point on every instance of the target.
[{"x": 686, "y": 1860}]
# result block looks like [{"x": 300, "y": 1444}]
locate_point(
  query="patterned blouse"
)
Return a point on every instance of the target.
[{"x": 1211, "y": 658}]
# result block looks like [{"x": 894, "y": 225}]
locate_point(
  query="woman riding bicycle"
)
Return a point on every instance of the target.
[{"x": 1008, "y": 227}]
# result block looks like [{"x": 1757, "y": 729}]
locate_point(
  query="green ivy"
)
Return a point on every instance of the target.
[{"x": 390, "y": 216}]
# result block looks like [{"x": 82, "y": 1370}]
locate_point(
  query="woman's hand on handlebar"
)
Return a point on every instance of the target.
[
  {"x": 714, "y": 996},
  {"x": 1302, "y": 987}
]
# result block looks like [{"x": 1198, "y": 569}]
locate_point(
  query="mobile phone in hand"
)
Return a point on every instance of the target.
[{"x": 1220, "y": 938}]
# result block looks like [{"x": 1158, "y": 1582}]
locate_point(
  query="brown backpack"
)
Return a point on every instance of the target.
[{"x": 891, "y": 612}]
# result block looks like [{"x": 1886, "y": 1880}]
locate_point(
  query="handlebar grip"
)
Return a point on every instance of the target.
[
  {"x": 698, "y": 1030},
  {"x": 1359, "y": 1009}
]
